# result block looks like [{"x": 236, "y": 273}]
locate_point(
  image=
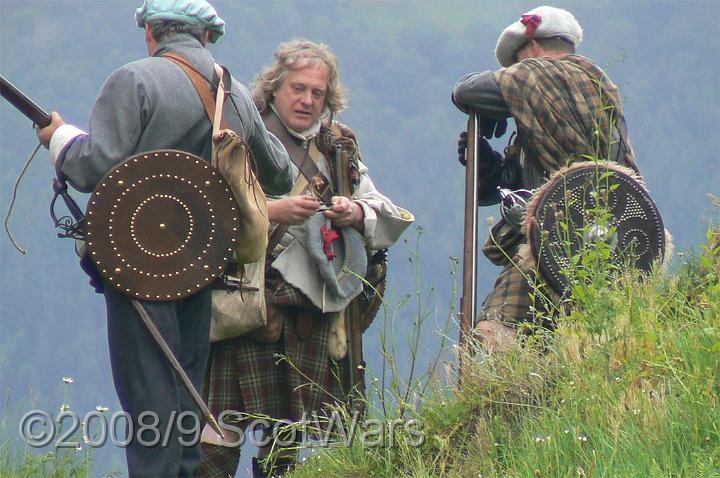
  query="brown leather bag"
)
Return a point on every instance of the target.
[
  {"x": 271, "y": 331},
  {"x": 233, "y": 158}
]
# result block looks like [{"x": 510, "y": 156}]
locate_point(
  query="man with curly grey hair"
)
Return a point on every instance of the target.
[{"x": 299, "y": 364}]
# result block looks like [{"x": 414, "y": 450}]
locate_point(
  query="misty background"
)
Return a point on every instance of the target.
[{"x": 399, "y": 61}]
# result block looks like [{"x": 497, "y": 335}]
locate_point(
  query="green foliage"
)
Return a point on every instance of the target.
[
  {"x": 19, "y": 460},
  {"x": 627, "y": 385}
]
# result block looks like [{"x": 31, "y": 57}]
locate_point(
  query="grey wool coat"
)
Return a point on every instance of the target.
[{"x": 160, "y": 109}]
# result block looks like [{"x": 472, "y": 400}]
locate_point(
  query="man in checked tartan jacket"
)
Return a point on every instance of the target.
[
  {"x": 564, "y": 107},
  {"x": 298, "y": 364}
]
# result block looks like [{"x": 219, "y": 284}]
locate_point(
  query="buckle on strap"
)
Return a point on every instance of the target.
[{"x": 322, "y": 187}]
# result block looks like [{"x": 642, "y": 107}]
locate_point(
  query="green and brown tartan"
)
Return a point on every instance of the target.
[
  {"x": 282, "y": 379},
  {"x": 513, "y": 301},
  {"x": 509, "y": 301},
  {"x": 563, "y": 109}
]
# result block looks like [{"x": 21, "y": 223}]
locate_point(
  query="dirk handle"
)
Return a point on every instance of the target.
[
  {"x": 23, "y": 104},
  {"x": 342, "y": 185}
]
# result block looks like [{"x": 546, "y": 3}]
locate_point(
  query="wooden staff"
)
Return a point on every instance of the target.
[
  {"x": 160, "y": 340},
  {"x": 468, "y": 301},
  {"x": 353, "y": 330}
]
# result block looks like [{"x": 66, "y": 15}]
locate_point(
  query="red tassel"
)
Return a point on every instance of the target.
[
  {"x": 531, "y": 22},
  {"x": 329, "y": 235}
]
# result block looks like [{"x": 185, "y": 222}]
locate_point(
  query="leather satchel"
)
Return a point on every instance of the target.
[
  {"x": 238, "y": 302},
  {"x": 272, "y": 330},
  {"x": 232, "y": 157}
]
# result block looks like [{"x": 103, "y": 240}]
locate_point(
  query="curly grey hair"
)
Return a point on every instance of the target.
[{"x": 293, "y": 55}]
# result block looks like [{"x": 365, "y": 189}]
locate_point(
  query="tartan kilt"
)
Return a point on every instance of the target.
[
  {"x": 509, "y": 301},
  {"x": 515, "y": 298},
  {"x": 281, "y": 380}
]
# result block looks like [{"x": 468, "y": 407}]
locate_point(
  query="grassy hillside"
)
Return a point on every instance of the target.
[{"x": 628, "y": 386}]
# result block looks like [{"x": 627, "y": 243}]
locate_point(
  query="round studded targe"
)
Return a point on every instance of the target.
[
  {"x": 586, "y": 204},
  {"x": 161, "y": 225}
]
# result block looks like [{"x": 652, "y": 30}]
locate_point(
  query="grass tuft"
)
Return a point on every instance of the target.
[{"x": 627, "y": 385}]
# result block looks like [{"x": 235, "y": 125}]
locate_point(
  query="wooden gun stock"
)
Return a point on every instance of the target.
[{"x": 23, "y": 104}]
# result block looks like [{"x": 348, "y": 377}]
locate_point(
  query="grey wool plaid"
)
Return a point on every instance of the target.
[{"x": 563, "y": 108}]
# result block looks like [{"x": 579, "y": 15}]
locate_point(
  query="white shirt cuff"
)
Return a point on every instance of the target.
[
  {"x": 62, "y": 138},
  {"x": 370, "y": 220}
]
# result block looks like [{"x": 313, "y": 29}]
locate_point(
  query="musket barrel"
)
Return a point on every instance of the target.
[
  {"x": 23, "y": 104},
  {"x": 468, "y": 302}
]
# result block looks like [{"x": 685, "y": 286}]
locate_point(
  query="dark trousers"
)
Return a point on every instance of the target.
[{"x": 148, "y": 387}]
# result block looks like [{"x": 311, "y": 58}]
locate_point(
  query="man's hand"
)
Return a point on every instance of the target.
[
  {"x": 462, "y": 146},
  {"x": 345, "y": 212},
  {"x": 45, "y": 134},
  {"x": 293, "y": 210},
  {"x": 486, "y": 155},
  {"x": 491, "y": 127}
]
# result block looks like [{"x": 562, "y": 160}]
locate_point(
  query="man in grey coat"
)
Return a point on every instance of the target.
[{"x": 147, "y": 105}]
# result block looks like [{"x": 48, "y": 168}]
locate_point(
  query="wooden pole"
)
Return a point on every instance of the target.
[{"x": 145, "y": 317}]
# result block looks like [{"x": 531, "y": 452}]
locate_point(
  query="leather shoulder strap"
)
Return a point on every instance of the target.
[
  {"x": 298, "y": 154},
  {"x": 202, "y": 86}
]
